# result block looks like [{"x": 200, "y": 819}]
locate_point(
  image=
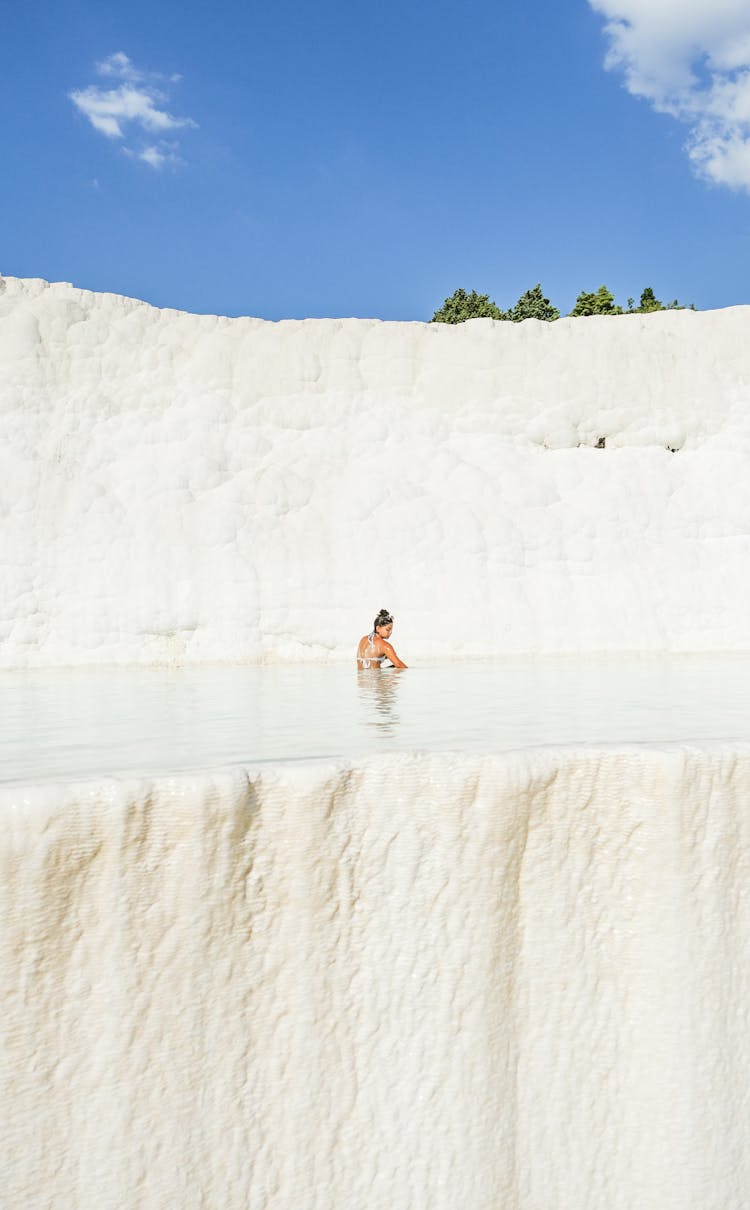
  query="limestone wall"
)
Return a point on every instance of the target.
[
  {"x": 177, "y": 487},
  {"x": 420, "y": 982}
]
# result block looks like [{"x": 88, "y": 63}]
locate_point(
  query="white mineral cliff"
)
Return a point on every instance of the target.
[
  {"x": 418, "y": 981},
  {"x": 178, "y": 487},
  {"x": 512, "y": 983}
]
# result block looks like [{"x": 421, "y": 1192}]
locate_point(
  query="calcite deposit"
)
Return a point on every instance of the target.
[
  {"x": 414, "y": 980},
  {"x": 415, "y": 983},
  {"x": 182, "y": 488}
]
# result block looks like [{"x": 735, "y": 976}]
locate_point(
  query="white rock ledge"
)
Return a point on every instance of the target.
[
  {"x": 415, "y": 983},
  {"x": 183, "y": 488}
]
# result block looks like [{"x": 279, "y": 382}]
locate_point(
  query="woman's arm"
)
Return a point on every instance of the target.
[{"x": 391, "y": 655}]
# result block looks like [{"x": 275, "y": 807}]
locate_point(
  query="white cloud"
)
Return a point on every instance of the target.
[
  {"x": 119, "y": 65},
  {"x": 130, "y": 107},
  {"x": 691, "y": 59},
  {"x": 111, "y": 109},
  {"x": 153, "y": 156},
  {"x": 156, "y": 155}
]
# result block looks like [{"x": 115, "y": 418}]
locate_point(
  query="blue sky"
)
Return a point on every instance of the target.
[{"x": 335, "y": 159}]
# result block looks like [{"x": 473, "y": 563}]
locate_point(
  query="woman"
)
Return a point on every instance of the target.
[{"x": 374, "y": 647}]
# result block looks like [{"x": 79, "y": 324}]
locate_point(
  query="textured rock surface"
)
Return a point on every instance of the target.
[
  {"x": 418, "y": 984},
  {"x": 421, "y": 982},
  {"x": 179, "y": 487}
]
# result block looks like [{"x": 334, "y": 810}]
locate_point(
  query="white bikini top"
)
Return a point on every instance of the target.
[{"x": 368, "y": 661}]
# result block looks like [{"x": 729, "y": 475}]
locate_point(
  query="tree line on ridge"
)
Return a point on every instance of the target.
[{"x": 533, "y": 305}]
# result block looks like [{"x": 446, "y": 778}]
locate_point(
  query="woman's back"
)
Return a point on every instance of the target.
[
  {"x": 374, "y": 647},
  {"x": 370, "y": 653}
]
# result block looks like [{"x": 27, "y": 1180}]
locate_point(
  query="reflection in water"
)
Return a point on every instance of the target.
[
  {"x": 378, "y": 695},
  {"x": 78, "y": 723}
]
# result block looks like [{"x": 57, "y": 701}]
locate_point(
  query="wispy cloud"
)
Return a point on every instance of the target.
[
  {"x": 157, "y": 155},
  {"x": 134, "y": 106},
  {"x": 690, "y": 59},
  {"x": 119, "y": 65}
]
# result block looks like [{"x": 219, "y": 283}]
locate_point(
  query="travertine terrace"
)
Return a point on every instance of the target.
[
  {"x": 182, "y": 488},
  {"x": 428, "y": 980}
]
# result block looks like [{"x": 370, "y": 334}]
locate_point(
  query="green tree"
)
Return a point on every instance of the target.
[
  {"x": 600, "y": 303},
  {"x": 533, "y": 305},
  {"x": 649, "y": 302},
  {"x": 462, "y": 306}
]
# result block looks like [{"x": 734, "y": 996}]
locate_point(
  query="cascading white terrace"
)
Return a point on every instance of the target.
[
  {"x": 418, "y": 983},
  {"x": 177, "y": 487},
  {"x": 497, "y": 980}
]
